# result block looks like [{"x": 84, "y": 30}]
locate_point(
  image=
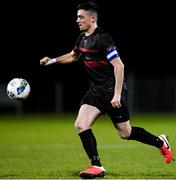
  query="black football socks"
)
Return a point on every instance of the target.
[
  {"x": 141, "y": 135},
  {"x": 90, "y": 145}
]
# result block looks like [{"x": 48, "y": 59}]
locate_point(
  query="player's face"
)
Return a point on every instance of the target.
[{"x": 84, "y": 20}]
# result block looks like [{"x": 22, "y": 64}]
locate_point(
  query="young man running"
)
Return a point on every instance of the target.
[{"x": 107, "y": 92}]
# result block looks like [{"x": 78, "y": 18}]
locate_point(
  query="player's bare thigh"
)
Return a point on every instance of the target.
[
  {"x": 86, "y": 117},
  {"x": 124, "y": 129}
]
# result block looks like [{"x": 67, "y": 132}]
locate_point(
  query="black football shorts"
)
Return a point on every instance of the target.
[{"x": 102, "y": 101}]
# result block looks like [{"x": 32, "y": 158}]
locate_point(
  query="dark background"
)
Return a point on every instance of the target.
[{"x": 144, "y": 32}]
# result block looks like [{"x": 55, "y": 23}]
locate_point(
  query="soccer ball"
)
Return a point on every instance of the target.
[{"x": 18, "y": 89}]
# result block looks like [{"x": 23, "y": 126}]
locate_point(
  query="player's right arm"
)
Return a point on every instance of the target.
[{"x": 63, "y": 59}]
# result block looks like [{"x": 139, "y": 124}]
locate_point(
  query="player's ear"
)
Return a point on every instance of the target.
[{"x": 93, "y": 19}]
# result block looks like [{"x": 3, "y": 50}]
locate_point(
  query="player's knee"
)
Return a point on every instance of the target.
[
  {"x": 124, "y": 135},
  {"x": 80, "y": 127},
  {"x": 77, "y": 126}
]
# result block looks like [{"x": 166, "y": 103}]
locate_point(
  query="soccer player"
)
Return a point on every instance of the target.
[{"x": 107, "y": 92}]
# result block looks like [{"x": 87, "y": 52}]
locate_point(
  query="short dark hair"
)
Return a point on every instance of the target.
[{"x": 88, "y": 6}]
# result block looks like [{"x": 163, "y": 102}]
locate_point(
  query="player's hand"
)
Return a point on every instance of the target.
[
  {"x": 116, "y": 101},
  {"x": 45, "y": 61}
]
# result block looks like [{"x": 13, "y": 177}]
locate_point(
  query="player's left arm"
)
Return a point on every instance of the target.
[
  {"x": 119, "y": 77},
  {"x": 108, "y": 46}
]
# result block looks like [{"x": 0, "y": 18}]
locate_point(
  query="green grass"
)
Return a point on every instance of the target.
[{"x": 47, "y": 146}]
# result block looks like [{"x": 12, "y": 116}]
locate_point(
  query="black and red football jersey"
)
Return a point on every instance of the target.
[{"x": 96, "y": 51}]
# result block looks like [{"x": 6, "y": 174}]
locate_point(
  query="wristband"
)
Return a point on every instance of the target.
[{"x": 51, "y": 61}]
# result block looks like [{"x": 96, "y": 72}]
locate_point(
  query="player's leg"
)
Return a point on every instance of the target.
[
  {"x": 85, "y": 119},
  {"x": 137, "y": 133},
  {"x": 120, "y": 118},
  {"x": 141, "y": 135},
  {"x": 86, "y": 116}
]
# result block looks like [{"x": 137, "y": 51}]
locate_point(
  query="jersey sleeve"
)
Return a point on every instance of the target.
[
  {"x": 76, "y": 46},
  {"x": 108, "y": 47},
  {"x": 76, "y": 49}
]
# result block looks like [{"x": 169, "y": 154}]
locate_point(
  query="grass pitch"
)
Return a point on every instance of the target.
[{"x": 48, "y": 147}]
